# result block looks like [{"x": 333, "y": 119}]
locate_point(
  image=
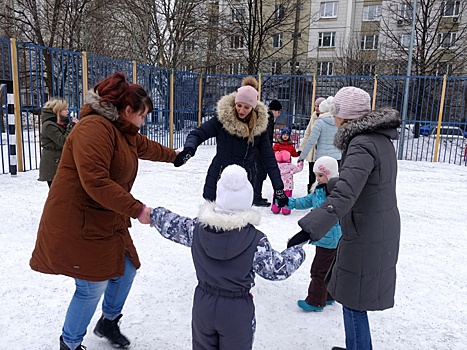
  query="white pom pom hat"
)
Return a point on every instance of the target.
[{"x": 234, "y": 191}]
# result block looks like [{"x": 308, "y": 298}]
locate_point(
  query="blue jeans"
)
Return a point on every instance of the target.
[
  {"x": 357, "y": 330},
  {"x": 85, "y": 300}
]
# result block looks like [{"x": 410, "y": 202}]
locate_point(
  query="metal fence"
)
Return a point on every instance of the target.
[{"x": 434, "y": 129}]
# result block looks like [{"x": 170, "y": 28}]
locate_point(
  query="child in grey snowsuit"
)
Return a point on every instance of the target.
[{"x": 227, "y": 252}]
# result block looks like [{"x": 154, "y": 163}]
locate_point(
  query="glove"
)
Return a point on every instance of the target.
[
  {"x": 299, "y": 152},
  {"x": 183, "y": 156},
  {"x": 280, "y": 198},
  {"x": 299, "y": 239}
]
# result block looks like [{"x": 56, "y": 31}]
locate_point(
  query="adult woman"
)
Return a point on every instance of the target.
[
  {"x": 363, "y": 277},
  {"x": 240, "y": 128},
  {"x": 83, "y": 232},
  {"x": 311, "y": 157},
  {"x": 55, "y": 129},
  {"x": 322, "y": 134}
]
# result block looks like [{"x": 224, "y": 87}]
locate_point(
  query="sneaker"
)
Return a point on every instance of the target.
[
  {"x": 110, "y": 330},
  {"x": 330, "y": 302},
  {"x": 337, "y": 348},
  {"x": 63, "y": 346},
  {"x": 302, "y": 304}
]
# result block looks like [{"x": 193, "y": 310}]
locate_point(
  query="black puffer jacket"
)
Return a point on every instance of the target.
[
  {"x": 233, "y": 146},
  {"x": 363, "y": 276}
]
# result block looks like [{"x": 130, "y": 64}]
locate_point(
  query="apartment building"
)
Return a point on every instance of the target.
[{"x": 354, "y": 37}]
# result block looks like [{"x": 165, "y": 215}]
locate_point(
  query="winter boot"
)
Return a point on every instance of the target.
[
  {"x": 302, "y": 304},
  {"x": 275, "y": 209},
  {"x": 337, "y": 348},
  {"x": 63, "y": 346},
  {"x": 286, "y": 211},
  {"x": 110, "y": 330}
]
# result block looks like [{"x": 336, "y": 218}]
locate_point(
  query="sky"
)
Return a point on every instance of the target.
[{"x": 430, "y": 301}]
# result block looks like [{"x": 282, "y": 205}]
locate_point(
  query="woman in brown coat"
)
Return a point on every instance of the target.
[{"x": 83, "y": 232}]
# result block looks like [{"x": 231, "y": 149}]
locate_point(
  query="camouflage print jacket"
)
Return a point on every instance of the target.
[{"x": 227, "y": 249}]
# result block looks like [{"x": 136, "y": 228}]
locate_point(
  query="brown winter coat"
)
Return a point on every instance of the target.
[{"x": 83, "y": 232}]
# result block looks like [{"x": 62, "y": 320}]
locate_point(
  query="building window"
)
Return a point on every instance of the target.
[
  {"x": 443, "y": 68},
  {"x": 450, "y": 8},
  {"x": 405, "y": 11},
  {"x": 447, "y": 39},
  {"x": 400, "y": 69},
  {"x": 299, "y": 35},
  {"x": 372, "y": 13},
  {"x": 328, "y": 9},
  {"x": 405, "y": 40},
  {"x": 368, "y": 69},
  {"x": 236, "y": 42},
  {"x": 279, "y": 12},
  {"x": 325, "y": 68},
  {"x": 369, "y": 42},
  {"x": 327, "y": 39},
  {"x": 236, "y": 68},
  {"x": 277, "y": 41},
  {"x": 238, "y": 14},
  {"x": 276, "y": 68},
  {"x": 297, "y": 65},
  {"x": 189, "y": 46}
]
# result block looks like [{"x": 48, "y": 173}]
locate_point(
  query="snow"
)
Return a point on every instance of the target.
[{"x": 431, "y": 303}]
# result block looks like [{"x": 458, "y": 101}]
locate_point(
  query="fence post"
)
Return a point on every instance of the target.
[
  {"x": 440, "y": 118},
  {"x": 375, "y": 87},
  {"x": 200, "y": 98},
  {"x": 313, "y": 95},
  {"x": 259, "y": 86},
  {"x": 171, "y": 108},
  {"x": 84, "y": 63},
  {"x": 17, "y": 106},
  {"x": 135, "y": 78}
]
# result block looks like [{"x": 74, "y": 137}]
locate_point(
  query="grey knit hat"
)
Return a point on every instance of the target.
[{"x": 351, "y": 102}]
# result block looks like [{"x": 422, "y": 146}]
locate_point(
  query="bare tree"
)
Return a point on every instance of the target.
[{"x": 439, "y": 40}]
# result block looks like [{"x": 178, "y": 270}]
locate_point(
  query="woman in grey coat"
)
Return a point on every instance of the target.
[
  {"x": 363, "y": 276},
  {"x": 55, "y": 129}
]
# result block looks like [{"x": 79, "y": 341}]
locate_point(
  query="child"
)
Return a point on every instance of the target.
[
  {"x": 287, "y": 170},
  {"x": 227, "y": 251},
  {"x": 318, "y": 297},
  {"x": 284, "y": 143}
]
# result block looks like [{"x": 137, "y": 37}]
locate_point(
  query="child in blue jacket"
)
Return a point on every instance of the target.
[
  {"x": 228, "y": 252},
  {"x": 318, "y": 297}
]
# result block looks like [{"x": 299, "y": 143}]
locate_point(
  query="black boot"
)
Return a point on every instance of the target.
[
  {"x": 63, "y": 346},
  {"x": 337, "y": 348},
  {"x": 111, "y": 331}
]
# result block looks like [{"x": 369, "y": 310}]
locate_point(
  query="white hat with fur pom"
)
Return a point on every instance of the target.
[{"x": 234, "y": 191}]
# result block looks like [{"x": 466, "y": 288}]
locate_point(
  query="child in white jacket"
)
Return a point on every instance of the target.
[{"x": 287, "y": 170}]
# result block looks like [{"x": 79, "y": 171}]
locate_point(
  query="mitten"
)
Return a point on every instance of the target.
[
  {"x": 280, "y": 198},
  {"x": 298, "y": 153},
  {"x": 183, "y": 156},
  {"x": 300, "y": 238}
]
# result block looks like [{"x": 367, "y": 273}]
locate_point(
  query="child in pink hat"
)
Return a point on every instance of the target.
[{"x": 287, "y": 170}]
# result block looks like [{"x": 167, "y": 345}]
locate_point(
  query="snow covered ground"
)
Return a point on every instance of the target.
[{"x": 430, "y": 311}]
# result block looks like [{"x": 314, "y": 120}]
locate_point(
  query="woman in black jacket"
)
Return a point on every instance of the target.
[
  {"x": 363, "y": 276},
  {"x": 240, "y": 128}
]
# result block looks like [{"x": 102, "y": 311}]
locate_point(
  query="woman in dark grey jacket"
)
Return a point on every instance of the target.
[{"x": 363, "y": 276}]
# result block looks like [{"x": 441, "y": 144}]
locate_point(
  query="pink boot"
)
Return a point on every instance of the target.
[
  {"x": 286, "y": 211},
  {"x": 275, "y": 209}
]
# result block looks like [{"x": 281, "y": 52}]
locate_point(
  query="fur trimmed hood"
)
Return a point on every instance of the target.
[
  {"x": 232, "y": 124},
  {"x": 225, "y": 221},
  {"x": 105, "y": 109},
  {"x": 384, "y": 121}
]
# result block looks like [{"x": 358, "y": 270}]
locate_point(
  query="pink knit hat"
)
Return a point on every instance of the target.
[
  {"x": 351, "y": 103},
  {"x": 247, "y": 94}
]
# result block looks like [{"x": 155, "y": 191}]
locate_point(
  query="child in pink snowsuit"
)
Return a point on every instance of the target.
[{"x": 287, "y": 170}]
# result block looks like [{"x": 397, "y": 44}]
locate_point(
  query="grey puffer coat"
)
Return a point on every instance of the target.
[
  {"x": 363, "y": 276},
  {"x": 52, "y": 140}
]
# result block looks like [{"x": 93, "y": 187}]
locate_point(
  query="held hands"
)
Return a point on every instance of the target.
[
  {"x": 280, "y": 198},
  {"x": 183, "y": 156},
  {"x": 144, "y": 217}
]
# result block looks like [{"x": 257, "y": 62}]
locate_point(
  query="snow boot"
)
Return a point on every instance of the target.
[
  {"x": 63, "y": 346},
  {"x": 110, "y": 330},
  {"x": 330, "y": 302},
  {"x": 302, "y": 304}
]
